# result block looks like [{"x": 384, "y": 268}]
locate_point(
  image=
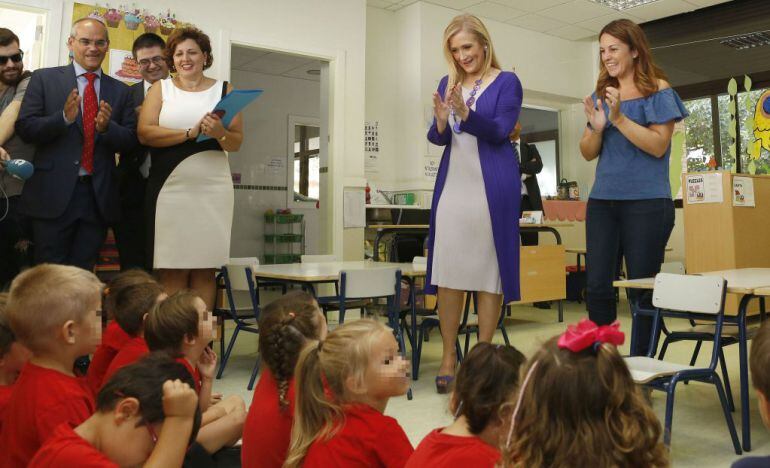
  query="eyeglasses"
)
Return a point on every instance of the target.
[
  {"x": 100, "y": 43},
  {"x": 157, "y": 60},
  {"x": 15, "y": 58}
]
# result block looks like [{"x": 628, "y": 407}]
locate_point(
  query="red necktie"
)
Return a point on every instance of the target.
[{"x": 90, "y": 108}]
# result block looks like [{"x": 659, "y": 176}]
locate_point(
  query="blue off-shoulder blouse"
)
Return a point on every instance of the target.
[{"x": 625, "y": 172}]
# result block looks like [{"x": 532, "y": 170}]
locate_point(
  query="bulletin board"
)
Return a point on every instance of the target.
[{"x": 119, "y": 63}]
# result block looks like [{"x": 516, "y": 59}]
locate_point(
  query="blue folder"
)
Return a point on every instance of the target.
[{"x": 230, "y": 105}]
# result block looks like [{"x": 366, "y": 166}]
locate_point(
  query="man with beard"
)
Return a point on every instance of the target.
[
  {"x": 14, "y": 232},
  {"x": 130, "y": 236},
  {"x": 78, "y": 118}
]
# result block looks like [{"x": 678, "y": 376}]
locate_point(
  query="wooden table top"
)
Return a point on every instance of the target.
[
  {"x": 582, "y": 250},
  {"x": 739, "y": 281},
  {"x": 329, "y": 271}
]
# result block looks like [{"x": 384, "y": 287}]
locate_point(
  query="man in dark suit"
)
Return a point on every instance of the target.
[
  {"x": 530, "y": 164},
  {"x": 77, "y": 118},
  {"x": 134, "y": 166}
]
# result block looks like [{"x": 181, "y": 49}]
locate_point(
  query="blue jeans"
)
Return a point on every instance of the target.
[{"x": 636, "y": 229}]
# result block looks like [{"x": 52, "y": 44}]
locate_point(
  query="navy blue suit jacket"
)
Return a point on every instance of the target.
[{"x": 58, "y": 146}]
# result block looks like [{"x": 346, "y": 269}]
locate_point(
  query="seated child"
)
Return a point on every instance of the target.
[
  {"x": 759, "y": 363},
  {"x": 579, "y": 406},
  {"x": 146, "y": 414},
  {"x": 114, "y": 337},
  {"x": 54, "y": 310},
  {"x": 285, "y": 326},
  {"x": 343, "y": 386},
  {"x": 182, "y": 327},
  {"x": 13, "y": 356},
  {"x": 485, "y": 383},
  {"x": 131, "y": 305}
]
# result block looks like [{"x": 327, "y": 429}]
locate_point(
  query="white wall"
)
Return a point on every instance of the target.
[{"x": 265, "y": 139}]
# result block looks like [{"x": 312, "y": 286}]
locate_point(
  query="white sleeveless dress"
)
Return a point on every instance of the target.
[
  {"x": 464, "y": 254},
  {"x": 190, "y": 191}
]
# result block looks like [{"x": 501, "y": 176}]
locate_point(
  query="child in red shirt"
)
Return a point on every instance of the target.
[
  {"x": 146, "y": 415},
  {"x": 182, "y": 327},
  {"x": 343, "y": 386},
  {"x": 285, "y": 326},
  {"x": 54, "y": 310},
  {"x": 487, "y": 380},
  {"x": 114, "y": 337},
  {"x": 13, "y": 356},
  {"x": 130, "y": 306}
]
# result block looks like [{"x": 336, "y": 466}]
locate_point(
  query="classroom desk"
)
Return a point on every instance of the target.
[
  {"x": 743, "y": 281},
  {"x": 385, "y": 229}
]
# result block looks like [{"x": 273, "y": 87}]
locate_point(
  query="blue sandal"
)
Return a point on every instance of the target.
[{"x": 443, "y": 382}]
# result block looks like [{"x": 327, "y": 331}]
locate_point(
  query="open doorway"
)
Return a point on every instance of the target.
[
  {"x": 29, "y": 26},
  {"x": 283, "y": 162}
]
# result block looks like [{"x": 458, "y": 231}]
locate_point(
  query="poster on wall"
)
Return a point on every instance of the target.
[
  {"x": 123, "y": 67},
  {"x": 124, "y": 26},
  {"x": 371, "y": 146},
  {"x": 704, "y": 188},
  {"x": 743, "y": 191}
]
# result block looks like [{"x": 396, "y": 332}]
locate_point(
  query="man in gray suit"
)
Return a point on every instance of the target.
[{"x": 149, "y": 52}]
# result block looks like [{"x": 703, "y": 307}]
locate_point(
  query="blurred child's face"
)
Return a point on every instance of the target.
[
  {"x": 12, "y": 362},
  {"x": 89, "y": 329},
  {"x": 206, "y": 329},
  {"x": 388, "y": 372},
  {"x": 763, "y": 408}
]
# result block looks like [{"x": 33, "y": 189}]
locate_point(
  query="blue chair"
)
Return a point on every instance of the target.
[
  {"x": 238, "y": 281},
  {"x": 686, "y": 297}
]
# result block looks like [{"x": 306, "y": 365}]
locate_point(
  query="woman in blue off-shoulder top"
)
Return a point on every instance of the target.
[{"x": 631, "y": 117}]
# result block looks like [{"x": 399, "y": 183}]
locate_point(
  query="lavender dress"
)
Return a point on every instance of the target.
[{"x": 474, "y": 232}]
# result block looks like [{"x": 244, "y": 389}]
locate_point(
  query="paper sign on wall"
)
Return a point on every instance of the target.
[
  {"x": 430, "y": 168},
  {"x": 354, "y": 209},
  {"x": 743, "y": 191},
  {"x": 704, "y": 188},
  {"x": 371, "y": 146}
]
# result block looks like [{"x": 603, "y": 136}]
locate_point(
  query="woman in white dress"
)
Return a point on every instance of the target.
[
  {"x": 473, "y": 243},
  {"x": 190, "y": 190}
]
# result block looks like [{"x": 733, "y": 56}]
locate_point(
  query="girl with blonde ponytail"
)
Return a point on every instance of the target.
[{"x": 343, "y": 385}]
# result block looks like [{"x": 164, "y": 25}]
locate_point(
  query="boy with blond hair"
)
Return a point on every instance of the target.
[{"x": 55, "y": 311}]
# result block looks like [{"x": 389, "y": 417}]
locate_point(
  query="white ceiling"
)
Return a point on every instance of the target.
[
  {"x": 273, "y": 63},
  {"x": 568, "y": 19}
]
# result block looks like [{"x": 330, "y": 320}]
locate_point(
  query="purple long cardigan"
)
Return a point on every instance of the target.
[{"x": 497, "y": 111}]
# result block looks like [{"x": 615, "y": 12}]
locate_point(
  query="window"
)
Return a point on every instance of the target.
[
  {"x": 306, "y": 163},
  {"x": 699, "y": 134}
]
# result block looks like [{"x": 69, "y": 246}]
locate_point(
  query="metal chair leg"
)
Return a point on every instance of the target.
[
  {"x": 728, "y": 390},
  {"x": 663, "y": 349},
  {"x": 695, "y": 353},
  {"x": 728, "y": 415},
  {"x": 254, "y": 373},
  {"x": 669, "y": 412},
  {"x": 229, "y": 350}
]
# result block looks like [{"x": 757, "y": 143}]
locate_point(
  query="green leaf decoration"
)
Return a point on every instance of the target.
[
  {"x": 731, "y": 107},
  {"x": 731, "y": 150},
  {"x": 732, "y": 87},
  {"x": 749, "y": 122},
  {"x": 752, "y": 167},
  {"x": 747, "y": 83},
  {"x": 731, "y": 131},
  {"x": 734, "y": 169}
]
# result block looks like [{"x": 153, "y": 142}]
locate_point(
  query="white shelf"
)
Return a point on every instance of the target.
[{"x": 408, "y": 207}]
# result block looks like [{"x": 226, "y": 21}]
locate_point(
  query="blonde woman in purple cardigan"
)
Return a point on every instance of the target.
[{"x": 474, "y": 230}]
